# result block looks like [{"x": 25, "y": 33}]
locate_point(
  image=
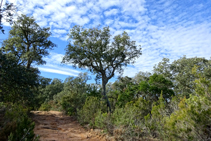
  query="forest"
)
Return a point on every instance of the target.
[{"x": 172, "y": 102}]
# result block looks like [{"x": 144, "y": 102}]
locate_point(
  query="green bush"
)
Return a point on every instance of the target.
[
  {"x": 125, "y": 123},
  {"x": 129, "y": 121},
  {"x": 72, "y": 102},
  {"x": 17, "y": 125},
  {"x": 192, "y": 121},
  {"x": 103, "y": 121},
  {"x": 87, "y": 114},
  {"x": 155, "y": 121},
  {"x": 45, "y": 107}
]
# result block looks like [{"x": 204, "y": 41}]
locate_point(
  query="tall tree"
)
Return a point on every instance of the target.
[
  {"x": 28, "y": 41},
  {"x": 180, "y": 73},
  {"x": 93, "y": 50}
]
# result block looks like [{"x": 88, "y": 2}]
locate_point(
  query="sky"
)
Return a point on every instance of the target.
[{"x": 163, "y": 28}]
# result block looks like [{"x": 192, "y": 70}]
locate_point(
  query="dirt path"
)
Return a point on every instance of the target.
[{"x": 54, "y": 126}]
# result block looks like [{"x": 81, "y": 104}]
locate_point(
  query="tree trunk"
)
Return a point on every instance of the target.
[
  {"x": 29, "y": 60},
  {"x": 28, "y": 65},
  {"x": 104, "y": 94}
]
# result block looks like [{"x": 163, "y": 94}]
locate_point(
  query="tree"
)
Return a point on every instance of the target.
[
  {"x": 43, "y": 82},
  {"x": 74, "y": 95},
  {"x": 28, "y": 41},
  {"x": 6, "y": 12},
  {"x": 180, "y": 73},
  {"x": 54, "y": 88},
  {"x": 141, "y": 76},
  {"x": 93, "y": 50},
  {"x": 158, "y": 84},
  {"x": 16, "y": 81}
]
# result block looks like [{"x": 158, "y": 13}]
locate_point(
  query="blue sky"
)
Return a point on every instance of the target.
[{"x": 163, "y": 28}]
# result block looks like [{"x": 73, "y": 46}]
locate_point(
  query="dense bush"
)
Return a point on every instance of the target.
[
  {"x": 87, "y": 114},
  {"x": 16, "y": 125},
  {"x": 18, "y": 88},
  {"x": 125, "y": 123},
  {"x": 192, "y": 121},
  {"x": 45, "y": 107},
  {"x": 155, "y": 120},
  {"x": 72, "y": 102}
]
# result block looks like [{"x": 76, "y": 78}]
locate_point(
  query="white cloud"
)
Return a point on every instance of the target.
[
  {"x": 54, "y": 65},
  {"x": 79, "y": 20},
  {"x": 56, "y": 71},
  {"x": 163, "y": 28},
  {"x": 64, "y": 38},
  {"x": 54, "y": 58},
  {"x": 130, "y": 71},
  {"x": 70, "y": 9},
  {"x": 111, "y": 12},
  {"x": 60, "y": 31},
  {"x": 107, "y": 4}
]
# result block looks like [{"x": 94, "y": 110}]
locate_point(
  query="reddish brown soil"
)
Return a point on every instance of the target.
[{"x": 54, "y": 126}]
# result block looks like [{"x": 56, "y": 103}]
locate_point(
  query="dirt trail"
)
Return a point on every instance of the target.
[{"x": 54, "y": 126}]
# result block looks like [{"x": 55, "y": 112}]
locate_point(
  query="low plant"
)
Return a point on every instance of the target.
[{"x": 17, "y": 125}]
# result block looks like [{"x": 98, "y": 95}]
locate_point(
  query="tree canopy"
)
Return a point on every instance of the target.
[
  {"x": 180, "y": 72},
  {"x": 28, "y": 41},
  {"x": 93, "y": 49}
]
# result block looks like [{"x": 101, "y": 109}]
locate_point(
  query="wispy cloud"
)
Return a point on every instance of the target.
[
  {"x": 56, "y": 71},
  {"x": 164, "y": 28},
  {"x": 111, "y": 12},
  {"x": 54, "y": 65}
]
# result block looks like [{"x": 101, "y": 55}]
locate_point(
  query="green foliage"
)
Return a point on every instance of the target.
[
  {"x": 92, "y": 49},
  {"x": 17, "y": 82},
  {"x": 191, "y": 121},
  {"x": 71, "y": 103},
  {"x": 74, "y": 94},
  {"x": 17, "y": 125},
  {"x": 103, "y": 121},
  {"x": 158, "y": 84},
  {"x": 28, "y": 42},
  {"x": 203, "y": 83},
  {"x": 126, "y": 96},
  {"x": 155, "y": 121},
  {"x": 125, "y": 123},
  {"x": 122, "y": 52},
  {"x": 94, "y": 90},
  {"x": 180, "y": 72},
  {"x": 152, "y": 88},
  {"x": 39, "y": 97},
  {"x": 45, "y": 107},
  {"x": 141, "y": 76},
  {"x": 90, "y": 108},
  {"x": 46, "y": 93}
]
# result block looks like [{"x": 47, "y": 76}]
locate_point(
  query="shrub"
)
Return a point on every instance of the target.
[
  {"x": 72, "y": 102},
  {"x": 128, "y": 121},
  {"x": 125, "y": 123},
  {"x": 192, "y": 121},
  {"x": 103, "y": 121},
  {"x": 17, "y": 125},
  {"x": 155, "y": 121},
  {"x": 45, "y": 107},
  {"x": 88, "y": 112}
]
